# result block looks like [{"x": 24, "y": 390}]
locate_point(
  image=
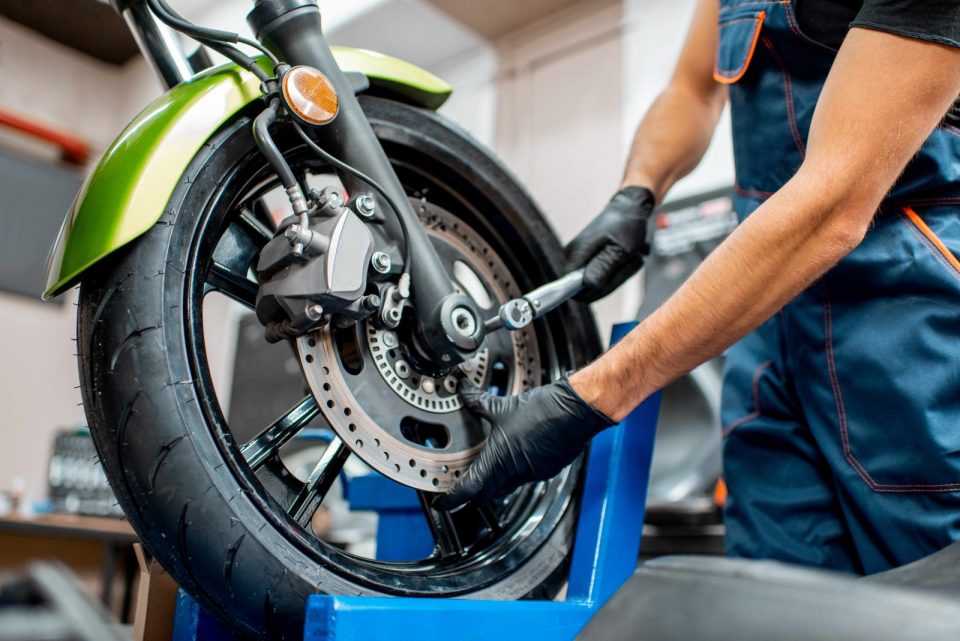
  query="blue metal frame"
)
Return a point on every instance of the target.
[{"x": 605, "y": 553}]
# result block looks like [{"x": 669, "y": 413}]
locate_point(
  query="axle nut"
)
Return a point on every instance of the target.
[{"x": 464, "y": 322}]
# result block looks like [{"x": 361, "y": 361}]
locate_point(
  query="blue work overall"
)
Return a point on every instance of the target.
[{"x": 842, "y": 413}]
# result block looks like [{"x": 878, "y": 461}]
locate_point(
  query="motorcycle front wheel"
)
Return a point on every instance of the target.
[{"x": 218, "y": 505}]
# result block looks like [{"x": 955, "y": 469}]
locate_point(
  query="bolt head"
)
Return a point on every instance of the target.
[
  {"x": 402, "y": 369},
  {"x": 366, "y": 206},
  {"x": 428, "y": 385},
  {"x": 380, "y": 261},
  {"x": 389, "y": 340},
  {"x": 315, "y": 312}
]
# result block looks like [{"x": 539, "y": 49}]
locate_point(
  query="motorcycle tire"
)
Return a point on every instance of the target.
[{"x": 178, "y": 474}]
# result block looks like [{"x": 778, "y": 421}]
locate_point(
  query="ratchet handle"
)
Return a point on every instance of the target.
[{"x": 552, "y": 295}]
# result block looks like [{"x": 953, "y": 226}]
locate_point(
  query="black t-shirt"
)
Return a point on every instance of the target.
[{"x": 828, "y": 21}]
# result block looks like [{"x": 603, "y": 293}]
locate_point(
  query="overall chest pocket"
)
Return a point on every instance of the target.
[{"x": 740, "y": 27}]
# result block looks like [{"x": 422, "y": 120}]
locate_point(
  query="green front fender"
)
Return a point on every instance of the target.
[{"x": 125, "y": 194}]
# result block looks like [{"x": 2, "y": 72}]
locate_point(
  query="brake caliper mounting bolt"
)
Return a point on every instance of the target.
[
  {"x": 380, "y": 261},
  {"x": 315, "y": 312},
  {"x": 428, "y": 385},
  {"x": 366, "y": 206}
]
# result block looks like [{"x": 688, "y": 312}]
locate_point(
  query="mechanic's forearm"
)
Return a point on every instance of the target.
[
  {"x": 777, "y": 252},
  {"x": 672, "y": 138}
]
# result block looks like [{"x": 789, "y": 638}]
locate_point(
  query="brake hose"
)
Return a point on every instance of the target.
[
  {"x": 219, "y": 41},
  {"x": 356, "y": 173}
]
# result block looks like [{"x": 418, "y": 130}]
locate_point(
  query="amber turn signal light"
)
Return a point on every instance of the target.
[{"x": 310, "y": 95}]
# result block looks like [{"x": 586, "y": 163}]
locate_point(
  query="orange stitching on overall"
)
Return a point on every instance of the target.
[
  {"x": 751, "y": 193},
  {"x": 752, "y": 4},
  {"x": 788, "y": 96},
  {"x": 950, "y": 129},
  {"x": 795, "y": 28},
  {"x": 726, "y": 79},
  {"x": 942, "y": 252},
  {"x": 756, "y": 400},
  {"x": 892, "y": 488},
  {"x": 945, "y": 200}
]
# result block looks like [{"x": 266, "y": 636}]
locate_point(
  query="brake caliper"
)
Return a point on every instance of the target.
[{"x": 308, "y": 274}]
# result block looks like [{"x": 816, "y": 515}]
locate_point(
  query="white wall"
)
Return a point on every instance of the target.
[
  {"x": 653, "y": 33},
  {"x": 38, "y": 373},
  {"x": 560, "y": 118}
]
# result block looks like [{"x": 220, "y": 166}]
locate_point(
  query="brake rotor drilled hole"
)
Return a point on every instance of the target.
[{"x": 434, "y": 447}]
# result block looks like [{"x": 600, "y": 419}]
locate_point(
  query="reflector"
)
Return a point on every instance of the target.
[{"x": 310, "y": 95}]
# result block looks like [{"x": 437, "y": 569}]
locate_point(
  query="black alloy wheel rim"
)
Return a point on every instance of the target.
[{"x": 229, "y": 229}]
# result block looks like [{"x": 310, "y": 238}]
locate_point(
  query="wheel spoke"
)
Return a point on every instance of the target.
[
  {"x": 253, "y": 225},
  {"x": 443, "y": 529},
  {"x": 319, "y": 481},
  {"x": 490, "y": 519},
  {"x": 270, "y": 440},
  {"x": 229, "y": 283}
]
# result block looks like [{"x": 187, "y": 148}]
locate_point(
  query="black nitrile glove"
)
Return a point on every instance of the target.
[
  {"x": 613, "y": 246},
  {"x": 533, "y": 436}
]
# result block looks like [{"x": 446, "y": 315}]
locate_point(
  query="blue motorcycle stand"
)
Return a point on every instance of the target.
[{"x": 605, "y": 551}]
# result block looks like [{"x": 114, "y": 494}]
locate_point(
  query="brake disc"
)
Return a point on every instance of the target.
[{"x": 403, "y": 420}]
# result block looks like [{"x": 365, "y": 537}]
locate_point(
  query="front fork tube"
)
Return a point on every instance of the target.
[{"x": 292, "y": 29}]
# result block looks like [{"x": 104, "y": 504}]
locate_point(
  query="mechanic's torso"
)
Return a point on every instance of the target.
[{"x": 776, "y": 71}]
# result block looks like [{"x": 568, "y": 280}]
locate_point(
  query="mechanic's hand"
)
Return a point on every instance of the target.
[
  {"x": 613, "y": 246},
  {"x": 532, "y": 437}
]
